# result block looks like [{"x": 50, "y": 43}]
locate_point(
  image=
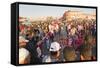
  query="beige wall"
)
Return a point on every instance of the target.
[{"x": 70, "y": 15}]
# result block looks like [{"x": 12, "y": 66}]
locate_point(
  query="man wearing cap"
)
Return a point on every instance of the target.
[{"x": 54, "y": 53}]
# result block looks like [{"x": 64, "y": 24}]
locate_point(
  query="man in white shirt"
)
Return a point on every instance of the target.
[
  {"x": 54, "y": 53},
  {"x": 24, "y": 56}
]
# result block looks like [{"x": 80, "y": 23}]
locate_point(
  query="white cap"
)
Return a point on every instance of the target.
[
  {"x": 22, "y": 39},
  {"x": 23, "y": 54},
  {"x": 55, "y": 46}
]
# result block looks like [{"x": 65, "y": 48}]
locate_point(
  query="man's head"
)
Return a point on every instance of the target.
[
  {"x": 55, "y": 49},
  {"x": 86, "y": 52},
  {"x": 69, "y": 54}
]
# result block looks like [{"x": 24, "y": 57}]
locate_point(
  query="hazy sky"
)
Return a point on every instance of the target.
[{"x": 38, "y": 11}]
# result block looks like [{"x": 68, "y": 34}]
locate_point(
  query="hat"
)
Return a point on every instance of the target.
[
  {"x": 55, "y": 46},
  {"x": 22, "y": 39}
]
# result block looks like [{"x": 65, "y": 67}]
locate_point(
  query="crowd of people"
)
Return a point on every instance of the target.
[{"x": 57, "y": 41}]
